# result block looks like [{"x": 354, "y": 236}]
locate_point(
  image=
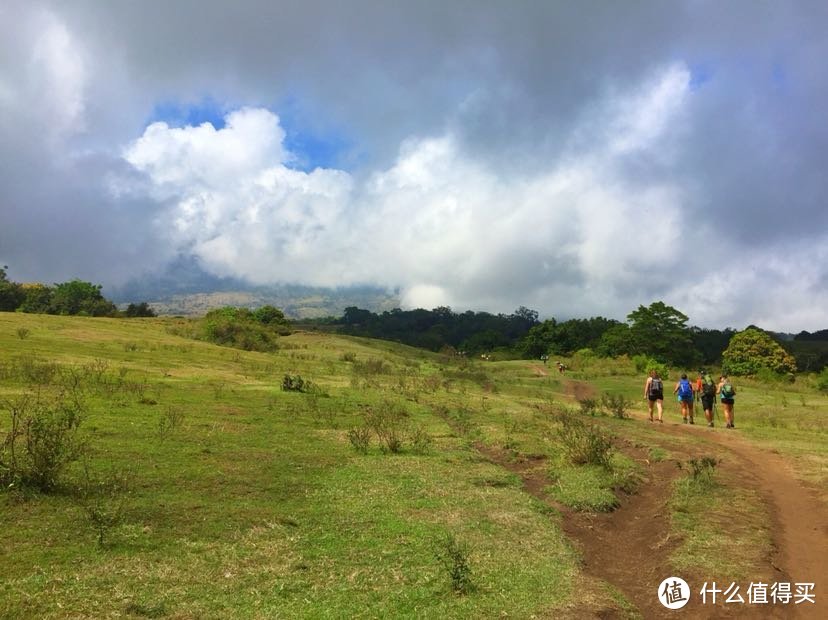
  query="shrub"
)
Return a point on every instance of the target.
[
  {"x": 644, "y": 364},
  {"x": 420, "y": 439},
  {"x": 387, "y": 422},
  {"x": 169, "y": 421},
  {"x": 104, "y": 499},
  {"x": 360, "y": 438},
  {"x": 453, "y": 556},
  {"x": 822, "y": 380},
  {"x": 701, "y": 470},
  {"x": 584, "y": 444},
  {"x": 34, "y": 371},
  {"x": 588, "y": 406},
  {"x": 242, "y": 329},
  {"x": 616, "y": 404},
  {"x": 295, "y": 383},
  {"x": 42, "y": 441},
  {"x": 371, "y": 367}
]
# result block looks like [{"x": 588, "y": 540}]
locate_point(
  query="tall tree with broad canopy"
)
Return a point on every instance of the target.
[{"x": 661, "y": 332}]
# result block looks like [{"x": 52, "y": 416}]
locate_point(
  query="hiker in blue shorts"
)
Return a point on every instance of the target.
[{"x": 685, "y": 397}]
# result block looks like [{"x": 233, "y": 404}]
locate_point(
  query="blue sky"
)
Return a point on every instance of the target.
[{"x": 312, "y": 147}]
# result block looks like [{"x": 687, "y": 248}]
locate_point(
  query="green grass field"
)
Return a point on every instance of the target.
[{"x": 236, "y": 498}]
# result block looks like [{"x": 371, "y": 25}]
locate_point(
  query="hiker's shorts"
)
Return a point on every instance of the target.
[{"x": 707, "y": 401}]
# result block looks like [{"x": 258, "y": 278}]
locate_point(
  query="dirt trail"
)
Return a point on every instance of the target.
[
  {"x": 800, "y": 519},
  {"x": 629, "y": 547}
]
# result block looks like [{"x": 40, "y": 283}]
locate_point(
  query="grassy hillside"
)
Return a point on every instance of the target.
[{"x": 229, "y": 496}]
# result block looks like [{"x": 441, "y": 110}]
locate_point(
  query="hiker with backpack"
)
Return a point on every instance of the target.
[
  {"x": 685, "y": 397},
  {"x": 654, "y": 393},
  {"x": 707, "y": 389},
  {"x": 727, "y": 393}
]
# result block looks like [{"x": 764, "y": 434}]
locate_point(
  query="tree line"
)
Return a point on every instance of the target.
[
  {"x": 74, "y": 297},
  {"x": 657, "y": 332}
]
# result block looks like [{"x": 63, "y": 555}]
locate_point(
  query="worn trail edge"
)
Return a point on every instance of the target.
[{"x": 629, "y": 548}]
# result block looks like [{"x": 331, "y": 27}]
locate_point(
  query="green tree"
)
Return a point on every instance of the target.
[
  {"x": 11, "y": 293},
  {"x": 139, "y": 310},
  {"x": 753, "y": 349},
  {"x": 539, "y": 339},
  {"x": 269, "y": 315},
  {"x": 616, "y": 341},
  {"x": 37, "y": 299},
  {"x": 661, "y": 331},
  {"x": 79, "y": 297}
]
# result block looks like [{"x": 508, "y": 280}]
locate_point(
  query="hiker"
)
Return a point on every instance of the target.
[
  {"x": 654, "y": 393},
  {"x": 707, "y": 389},
  {"x": 727, "y": 393},
  {"x": 685, "y": 398}
]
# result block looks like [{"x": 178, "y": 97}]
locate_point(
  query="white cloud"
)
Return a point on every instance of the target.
[
  {"x": 43, "y": 76},
  {"x": 235, "y": 203},
  {"x": 446, "y": 227}
]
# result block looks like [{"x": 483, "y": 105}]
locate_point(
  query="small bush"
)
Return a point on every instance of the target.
[
  {"x": 701, "y": 470},
  {"x": 371, "y": 367},
  {"x": 616, "y": 404},
  {"x": 360, "y": 438},
  {"x": 295, "y": 383},
  {"x": 584, "y": 444},
  {"x": 42, "y": 441},
  {"x": 453, "y": 556},
  {"x": 349, "y": 356},
  {"x": 387, "y": 421},
  {"x": 589, "y": 406},
  {"x": 822, "y": 380},
  {"x": 104, "y": 499},
  {"x": 420, "y": 440},
  {"x": 23, "y": 333},
  {"x": 169, "y": 421},
  {"x": 243, "y": 329},
  {"x": 33, "y": 370}
]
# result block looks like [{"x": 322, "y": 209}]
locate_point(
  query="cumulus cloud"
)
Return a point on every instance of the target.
[{"x": 446, "y": 227}]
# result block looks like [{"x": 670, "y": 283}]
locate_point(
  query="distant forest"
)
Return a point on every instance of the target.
[
  {"x": 74, "y": 297},
  {"x": 659, "y": 332}
]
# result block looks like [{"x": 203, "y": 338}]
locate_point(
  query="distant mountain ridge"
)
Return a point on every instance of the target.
[{"x": 185, "y": 288}]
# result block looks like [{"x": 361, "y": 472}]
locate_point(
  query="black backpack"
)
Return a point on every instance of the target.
[{"x": 656, "y": 386}]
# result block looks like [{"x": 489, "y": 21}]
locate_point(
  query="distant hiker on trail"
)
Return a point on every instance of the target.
[
  {"x": 707, "y": 389},
  {"x": 561, "y": 368},
  {"x": 685, "y": 398},
  {"x": 727, "y": 393},
  {"x": 654, "y": 393}
]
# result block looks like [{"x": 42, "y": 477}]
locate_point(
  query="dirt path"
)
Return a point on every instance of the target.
[
  {"x": 800, "y": 520},
  {"x": 629, "y": 547}
]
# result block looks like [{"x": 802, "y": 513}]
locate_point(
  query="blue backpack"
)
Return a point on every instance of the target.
[{"x": 685, "y": 391}]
